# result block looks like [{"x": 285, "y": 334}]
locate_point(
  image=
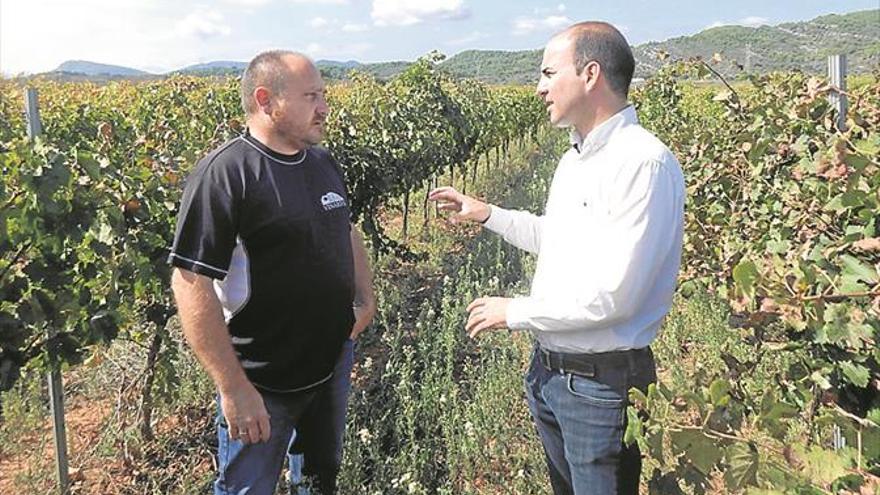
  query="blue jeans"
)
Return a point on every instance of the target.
[
  {"x": 254, "y": 469},
  {"x": 316, "y": 453},
  {"x": 581, "y": 421}
]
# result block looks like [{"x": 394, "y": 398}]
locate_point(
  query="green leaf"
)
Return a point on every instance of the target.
[
  {"x": 778, "y": 247},
  {"x": 835, "y": 205},
  {"x": 636, "y": 396},
  {"x": 874, "y": 415},
  {"x": 859, "y": 334},
  {"x": 852, "y": 199},
  {"x": 742, "y": 461},
  {"x": 773, "y": 412},
  {"x": 851, "y": 284},
  {"x": 857, "y": 374},
  {"x": 718, "y": 392},
  {"x": 634, "y": 430},
  {"x": 89, "y": 164},
  {"x": 745, "y": 275},
  {"x": 655, "y": 443},
  {"x": 780, "y": 410},
  {"x": 667, "y": 393},
  {"x": 699, "y": 449},
  {"x": 820, "y": 379},
  {"x": 868, "y": 147},
  {"x": 826, "y": 466},
  {"x": 860, "y": 270},
  {"x": 834, "y": 330}
]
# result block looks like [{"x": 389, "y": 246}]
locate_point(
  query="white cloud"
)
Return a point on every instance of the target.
[
  {"x": 323, "y": 2},
  {"x": 355, "y": 28},
  {"x": 751, "y": 21},
  {"x": 355, "y": 49},
  {"x": 475, "y": 36},
  {"x": 203, "y": 24},
  {"x": 409, "y": 12},
  {"x": 526, "y": 25},
  {"x": 248, "y": 3},
  {"x": 550, "y": 10},
  {"x": 313, "y": 49},
  {"x": 340, "y": 51},
  {"x": 319, "y": 22},
  {"x": 152, "y": 35},
  {"x": 330, "y": 25}
]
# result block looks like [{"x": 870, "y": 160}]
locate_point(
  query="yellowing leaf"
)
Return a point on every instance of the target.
[{"x": 870, "y": 245}]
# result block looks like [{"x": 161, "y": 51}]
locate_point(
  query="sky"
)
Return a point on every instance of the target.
[{"x": 163, "y": 35}]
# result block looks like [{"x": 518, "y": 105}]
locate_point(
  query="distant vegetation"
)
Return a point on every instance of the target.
[{"x": 802, "y": 46}]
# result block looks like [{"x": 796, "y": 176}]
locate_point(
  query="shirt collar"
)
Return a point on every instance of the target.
[{"x": 600, "y": 135}]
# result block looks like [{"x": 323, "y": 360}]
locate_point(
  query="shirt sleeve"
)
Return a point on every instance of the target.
[
  {"x": 207, "y": 222},
  {"x": 640, "y": 232},
  {"x": 520, "y": 228}
]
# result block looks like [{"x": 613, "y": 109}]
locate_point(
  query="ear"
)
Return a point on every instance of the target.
[
  {"x": 590, "y": 74},
  {"x": 262, "y": 97}
]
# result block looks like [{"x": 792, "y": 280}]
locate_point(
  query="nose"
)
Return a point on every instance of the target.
[
  {"x": 541, "y": 88},
  {"x": 323, "y": 108}
]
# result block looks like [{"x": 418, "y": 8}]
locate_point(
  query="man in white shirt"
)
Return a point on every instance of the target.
[{"x": 609, "y": 246}]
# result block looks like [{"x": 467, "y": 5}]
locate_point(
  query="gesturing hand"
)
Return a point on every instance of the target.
[
  {"x": 463, "y": 207},
  {"x": 245, "y": 414},
  {"x": 486, "y": 313}
]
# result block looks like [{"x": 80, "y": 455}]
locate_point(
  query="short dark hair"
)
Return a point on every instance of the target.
[
  {"x": 603, "y": 43},
  {"x": 266, "y": 69}
]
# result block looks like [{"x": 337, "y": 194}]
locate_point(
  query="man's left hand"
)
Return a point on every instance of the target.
[
  {"x": 363, "y": 315},
  {"x": 486, "y": 313}
]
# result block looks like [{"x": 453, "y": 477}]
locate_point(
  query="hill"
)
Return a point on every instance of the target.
[
  {"x": 802, "y": 46},
  {"x": 87, "y": 68}
]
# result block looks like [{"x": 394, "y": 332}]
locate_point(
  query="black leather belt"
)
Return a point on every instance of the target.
[{"x": 588, "y": 364}]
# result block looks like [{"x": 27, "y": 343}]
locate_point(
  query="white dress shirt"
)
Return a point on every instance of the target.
[{"x": 609, "y": 244}]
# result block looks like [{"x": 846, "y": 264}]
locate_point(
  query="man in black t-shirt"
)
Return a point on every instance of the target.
[{"x": 271, "y": 280}]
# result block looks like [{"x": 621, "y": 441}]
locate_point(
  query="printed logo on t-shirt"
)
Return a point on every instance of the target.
[{"x": 331, "y": 201}]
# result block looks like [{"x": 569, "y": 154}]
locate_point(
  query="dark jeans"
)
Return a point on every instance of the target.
[
  {"x": 316, "y": 452},
  {"x": 254, "y": 469},
  {"x": 581, "y": 421}
]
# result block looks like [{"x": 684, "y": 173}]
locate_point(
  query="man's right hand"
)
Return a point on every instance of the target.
[
  {"x": 246, "y": 416},
  {"x": 205, "y": 329},
  {"x": 463, "y": 207}
]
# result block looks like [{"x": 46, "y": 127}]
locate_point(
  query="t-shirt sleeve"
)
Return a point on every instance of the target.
[{"x": 206, "y": 222}]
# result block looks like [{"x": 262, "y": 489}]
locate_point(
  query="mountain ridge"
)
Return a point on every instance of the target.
[{"x": 801, "y": 46}]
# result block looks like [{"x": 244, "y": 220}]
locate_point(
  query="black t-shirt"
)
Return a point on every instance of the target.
[{"x": 273, "y": 232}]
